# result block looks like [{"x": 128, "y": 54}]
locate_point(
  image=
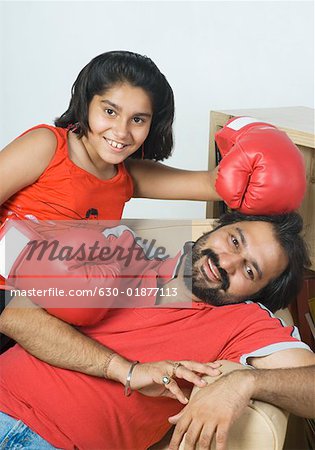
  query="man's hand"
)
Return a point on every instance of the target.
[
  {"x": 147, "y": 377},
  {"x": 212, "y": 411}
]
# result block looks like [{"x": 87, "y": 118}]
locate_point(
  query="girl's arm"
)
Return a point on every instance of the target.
[
  {"x": 155, "y": 180},
  {"x": 24, "y": 160}
]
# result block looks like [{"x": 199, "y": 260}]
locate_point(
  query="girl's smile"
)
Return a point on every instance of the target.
[{"x": 116, "y": 145}]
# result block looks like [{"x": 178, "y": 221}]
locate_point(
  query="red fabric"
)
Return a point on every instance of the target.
[
  {"x": 65, "y": 191},
  {"x": 72, "y": 410}
]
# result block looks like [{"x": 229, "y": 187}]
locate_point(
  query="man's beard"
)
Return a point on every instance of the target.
[{"x": 197, "y": 284}]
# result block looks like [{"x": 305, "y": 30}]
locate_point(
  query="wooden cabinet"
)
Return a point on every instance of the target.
[{"x": 298, "y": 123}]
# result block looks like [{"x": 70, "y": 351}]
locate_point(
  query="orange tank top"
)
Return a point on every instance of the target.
[{"x": 64, "y": 191}]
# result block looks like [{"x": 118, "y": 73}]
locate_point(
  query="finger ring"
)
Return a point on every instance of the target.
[
  {"x": 166, "y": 380},
  {"x": 175, "y": 367}
]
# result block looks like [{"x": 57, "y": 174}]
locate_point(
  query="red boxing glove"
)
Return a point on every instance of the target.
[
  {"x": 262, "y": 171},
  {"x": 64, "y": 266}
]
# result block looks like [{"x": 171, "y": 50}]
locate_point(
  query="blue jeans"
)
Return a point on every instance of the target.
[{"x": 14, "y": 434}]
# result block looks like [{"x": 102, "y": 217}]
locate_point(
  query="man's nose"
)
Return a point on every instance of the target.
[{"x": 230, "y": 261}]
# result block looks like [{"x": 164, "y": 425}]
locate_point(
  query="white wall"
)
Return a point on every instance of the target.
[{"x": 216, "y": 55}]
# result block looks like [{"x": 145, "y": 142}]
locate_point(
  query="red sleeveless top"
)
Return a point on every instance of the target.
[{"x": 64, "y": 191}]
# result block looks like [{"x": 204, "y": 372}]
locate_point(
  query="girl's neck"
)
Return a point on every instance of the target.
[{"x": 79, "y": 154}]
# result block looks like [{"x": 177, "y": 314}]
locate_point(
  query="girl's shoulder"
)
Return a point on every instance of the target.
[
  {"x": 26, "y": 158},
  {"x": 47, "y": 136},
  {"x": 40, "y": 140}
]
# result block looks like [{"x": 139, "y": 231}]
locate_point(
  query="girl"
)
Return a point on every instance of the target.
[{"x": 102, "y": 151}]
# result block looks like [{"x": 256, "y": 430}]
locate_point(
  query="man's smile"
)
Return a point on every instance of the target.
[{"x": 210, "y": 271}]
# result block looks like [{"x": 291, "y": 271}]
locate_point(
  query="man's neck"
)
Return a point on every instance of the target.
[{"x": 175, "y": 290}]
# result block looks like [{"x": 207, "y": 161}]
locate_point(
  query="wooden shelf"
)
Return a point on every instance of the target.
[{"x": 300, "y": 307}]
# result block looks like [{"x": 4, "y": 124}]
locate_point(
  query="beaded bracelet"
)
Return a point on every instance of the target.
[{"x": 128, "y": 390}]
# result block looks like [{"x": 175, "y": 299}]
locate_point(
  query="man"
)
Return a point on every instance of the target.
[{"x": 245, "y": 257}]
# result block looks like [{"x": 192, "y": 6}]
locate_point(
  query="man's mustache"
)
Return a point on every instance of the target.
[{"x": 215, "y": 260}]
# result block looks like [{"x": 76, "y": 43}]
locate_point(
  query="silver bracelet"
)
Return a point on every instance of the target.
[{"x": 128, "y": 390}]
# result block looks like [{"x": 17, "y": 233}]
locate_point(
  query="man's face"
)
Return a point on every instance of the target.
[{"x": 234, "y": 262}]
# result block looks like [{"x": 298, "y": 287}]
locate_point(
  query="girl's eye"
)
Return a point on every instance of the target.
[
  {"x": 138, "y": 120},
  {"x": 110, "y": 112},
  {"x": 250, "y": 272}
]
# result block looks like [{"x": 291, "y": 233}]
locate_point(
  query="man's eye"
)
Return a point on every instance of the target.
[
  {"x": 235, "y": 241},
  {"x": 250, "y": 272},
  {"x": 138, "y": 120},
  {"x": 110, "y": 112}
]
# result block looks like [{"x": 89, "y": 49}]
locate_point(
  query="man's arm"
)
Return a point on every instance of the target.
[
  {"x": 212, "y": 411},
  {"x": 60, "y": 344},
  {"x": 52, "y": 340},
  {"x": 290, "y": 389}
]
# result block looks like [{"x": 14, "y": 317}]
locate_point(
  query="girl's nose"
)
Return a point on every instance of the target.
[{"x": 120, "y": 129}]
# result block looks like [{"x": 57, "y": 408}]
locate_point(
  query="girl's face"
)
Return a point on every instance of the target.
[{"x": 119, "y": 120}]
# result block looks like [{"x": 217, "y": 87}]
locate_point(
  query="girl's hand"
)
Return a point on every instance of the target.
[{"x": 147, "y": 378}]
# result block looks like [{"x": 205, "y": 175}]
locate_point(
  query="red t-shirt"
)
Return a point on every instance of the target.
[{"x": 72, "y": 410}]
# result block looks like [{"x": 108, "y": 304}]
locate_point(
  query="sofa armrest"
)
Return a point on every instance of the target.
[{"x": 262, "y": 425}]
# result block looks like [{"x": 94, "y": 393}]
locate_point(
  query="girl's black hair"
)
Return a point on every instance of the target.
[
  {"x": 109, "y": 68},
  {"x": 280, "y": 291}
]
